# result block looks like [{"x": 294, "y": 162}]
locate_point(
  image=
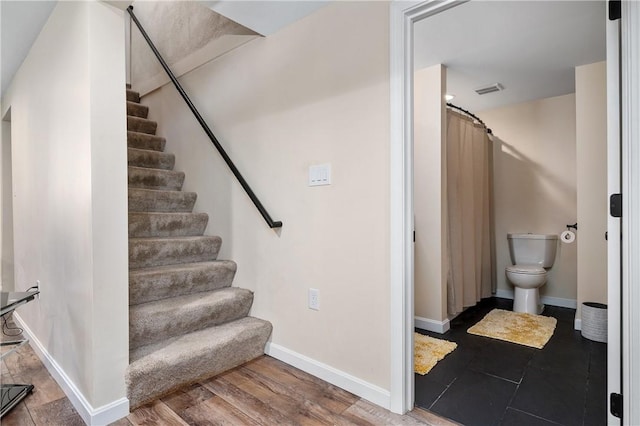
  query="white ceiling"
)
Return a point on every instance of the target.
[
  {"x": 264, "y": 16},
  {"x": 22, "y": 21},
  {"x": 531, "y": 47},
  {"x": 20, "y": 24}
]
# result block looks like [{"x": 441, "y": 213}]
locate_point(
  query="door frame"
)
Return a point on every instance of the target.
[
  {"x": 630, "y": 145},
  {"x": 614, "y": 245},
  {"x": 403, "y": 16}
]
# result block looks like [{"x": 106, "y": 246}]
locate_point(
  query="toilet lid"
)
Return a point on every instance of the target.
[{"x": 526, "y": 269}]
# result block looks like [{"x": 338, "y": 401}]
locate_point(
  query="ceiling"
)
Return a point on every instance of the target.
[
  {"x": 530, "y": 47},
  {"x": 20, "y": 24},
  {"x": 264, "y": 17}
]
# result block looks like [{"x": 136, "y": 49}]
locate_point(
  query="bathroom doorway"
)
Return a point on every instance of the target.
[{"x": 535, "y": 128}]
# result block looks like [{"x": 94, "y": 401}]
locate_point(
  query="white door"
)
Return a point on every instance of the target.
[
  {"x": 630, "y": 226},
  {"x": 614, "y": 244},
  {"x": 623, "y": 68}
]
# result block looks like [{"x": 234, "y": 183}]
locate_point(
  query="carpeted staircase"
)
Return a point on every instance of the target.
[{"x": 186, "y": 322}]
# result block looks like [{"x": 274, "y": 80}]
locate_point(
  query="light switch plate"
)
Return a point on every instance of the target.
[{"x": 320, "y": 174}]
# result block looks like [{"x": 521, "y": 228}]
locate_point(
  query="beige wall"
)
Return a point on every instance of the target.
[
  {"x": 6, "y": 221},
  {"x": 591, "y": 147},
  {"x": 70, "y": 195},
  {"x": 186, "y": 33},
  {"x": 315, "y": 92},
  {"x": 430, "y": 288},
  {"x": 535, "y": 182}
]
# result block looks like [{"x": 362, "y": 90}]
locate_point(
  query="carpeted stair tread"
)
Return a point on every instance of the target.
[
  {"x": 147, "y": 252},
  {"x": 145, "y": 141},
  {"x": 153, "y": 224},
  {"x": 133, "y": 96},
  {"x": 152, "y": 200},
  {"x": 137, "y": 110},
  {"x": 150, "y": 159},
  {"x": 158, "y": 369},
  {"x": 163, "y": 319},
  {"x": 142, "y": 177},
  {"x": 141, "y": 125},
  {"x": 161, "y": 282},
  {"x": 186, "y": 322}
]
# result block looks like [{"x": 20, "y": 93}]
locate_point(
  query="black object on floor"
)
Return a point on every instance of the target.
[{"x": 490, "y": 382}]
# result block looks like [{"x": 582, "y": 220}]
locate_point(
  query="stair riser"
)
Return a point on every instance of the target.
[
  {"x": 186, "y": 322},
  {"x": 141, "y": 200},
  {"x": 135, "y": 124},
  {"x": 145, "y": 253},
  {"x": 133, "y": 96},
  {"x": 155, "y": 179},
  {"x": 147, "y": 327},
  {"x": 147, "y": 381},
  {"x": 137, "y": 110},
  {"x": 144, "y": 141},
  {"x": 167, "y": 225},
  {"x": 148, "y": 285},
  {"x": 150, "y": 159}
]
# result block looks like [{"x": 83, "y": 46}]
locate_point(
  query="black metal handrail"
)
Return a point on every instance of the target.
[{"x": 205, "y": 127}]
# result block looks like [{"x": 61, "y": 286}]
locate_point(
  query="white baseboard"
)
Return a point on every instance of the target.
[
  {"x": 547, "y": 300},
  {"x": 104, "y": 415},
  {"x": 431, "y": 325},
  {"x": 577, "y": 324},
  {"x": 359, "y": 387}
]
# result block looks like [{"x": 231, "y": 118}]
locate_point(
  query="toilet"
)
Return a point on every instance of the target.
[{"x": 532, "y": 255}]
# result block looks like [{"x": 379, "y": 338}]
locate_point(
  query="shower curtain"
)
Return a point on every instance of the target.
[{"x": 470, "y": 214}]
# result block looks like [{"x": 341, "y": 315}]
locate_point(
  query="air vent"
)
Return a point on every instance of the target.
[{"x": 495, "y": 87}]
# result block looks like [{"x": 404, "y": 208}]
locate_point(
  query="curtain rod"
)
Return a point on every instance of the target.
[{"x": 450, "y": 105}]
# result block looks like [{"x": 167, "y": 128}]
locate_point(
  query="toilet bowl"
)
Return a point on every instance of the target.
[
  {"x": 532, "y": 255},
  {"x": 526, "y": 280}
]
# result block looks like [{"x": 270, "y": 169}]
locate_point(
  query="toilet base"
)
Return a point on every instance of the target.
[{"x": 527, "y": 300}]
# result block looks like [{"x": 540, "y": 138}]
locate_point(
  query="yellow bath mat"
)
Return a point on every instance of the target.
[
  {"x": 516, "y": 327},
  {"x": 428, "y": 351}
]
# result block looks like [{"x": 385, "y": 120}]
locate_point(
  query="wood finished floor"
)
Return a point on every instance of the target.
[{"x": 262, "y": 392}]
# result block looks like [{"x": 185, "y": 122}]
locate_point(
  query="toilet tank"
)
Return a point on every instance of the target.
[{"x": 533, "y": 249}]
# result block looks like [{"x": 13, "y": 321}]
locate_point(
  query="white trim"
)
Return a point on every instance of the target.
[
  {"x": 403, "y": 15},
  {"x": 432, "y": 325},
  {"x": 630, "y": 67},
  {"x": 614, "y": 283},
  {"x": 547, "y": 300},
  {"x": 336, "y": 377},
  {"x": 106, "y": 414},
  {"x": 577, "y": 324},
  {"x": 401, "y": 278}
]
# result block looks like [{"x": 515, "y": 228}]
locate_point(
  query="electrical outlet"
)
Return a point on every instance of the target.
[{"x": 314, "y": 299}]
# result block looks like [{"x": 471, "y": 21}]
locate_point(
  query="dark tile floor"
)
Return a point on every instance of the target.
[{"x": 490, "y": 382}]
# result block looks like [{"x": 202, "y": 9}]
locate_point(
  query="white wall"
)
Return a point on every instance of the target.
[
  {"x": 430, "y": 294},
  {"x": 70, "y": 197},
  {"x": 186, "y": 33},
  {"x": 315, "y": 92},
  {"x": 591, "y": 147},
  {"x": 535, "y": 182},
  {"x": 6, "y": 220}
]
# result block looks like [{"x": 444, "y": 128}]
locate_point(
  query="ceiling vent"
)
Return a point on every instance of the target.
[{"x": 495, "y": 87}]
